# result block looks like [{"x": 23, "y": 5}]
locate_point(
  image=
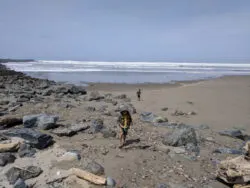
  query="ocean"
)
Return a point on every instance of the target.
[{"x": 83, "y": 72}]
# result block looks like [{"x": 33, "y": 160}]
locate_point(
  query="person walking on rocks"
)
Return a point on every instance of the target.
[
  {"x": 125, "y": 121},
  {"x": 139, "y": 94}
]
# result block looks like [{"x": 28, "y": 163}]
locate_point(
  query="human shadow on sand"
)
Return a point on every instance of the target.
[
  {"x": 128, "y": 145},
  {"x": 132, "y": 141}
]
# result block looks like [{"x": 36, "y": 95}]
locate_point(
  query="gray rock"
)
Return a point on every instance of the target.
[
  {"x": 162, "y": 185},
  {"x": 95, "y": 168},
  {"x": 69, "y": 130},
  {"x": 79, "y": 127},
  {"x": 26, "y": 150},
  {"x": 107, "y": 113},
  {"x": 181, "y": 137},
  {"x": 42, "y": 121},
  {"x": 14, "y": 173},
  {"x": 128, "y": 107},
  {"x": 107, "y": 133},
  {"x": 44, "y": 84},
  {"x": 63, "y": 132},
  {"x": 235, "y": 134},
  {"x": 178, "y": 113},
  {"x": 127, "y": 100},
  {"x": 20, "y": 183},
  {"x": 6, "y": 158},
  {"x": 147, "y": 117},
  {"x": 228, "y": 151},
  {"x": 60, "y": 89},
  {"x": 204, "y": 127},
  {"x": 95, "y": 95},
  {"x": 71, "y": 156},
  {"x": 121, "y": 96},
  {"x": 4, "y": 102},
  {"x": 96, "y": 126},
  {"x": 77, "y": 90},
  {"x": 192, "y": 148},
  {"x": 152, "y": 118},
  {"x": 103, "y": 108},
  {"x": 23, "y": 99},
  {"x": 3, "y": 113},
  {"x": 35, "y": 138},
  {"x": 108, "y": 95},
  {"x": 172, "y": 185},
  {"x": 165, "y": 109},
  {"x": 192, "y": 113},
  {"x": 114, "y": 102},
  {"x": 90, "y": 108},
  {"x": 2, "y": 137},
  {"x": 48, "y": 92},
  {"x": 65, "y": 105},
  {"x": 110, "y": 182}
]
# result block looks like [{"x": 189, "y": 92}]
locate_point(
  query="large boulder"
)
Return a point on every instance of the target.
[
  {"x": 42, "y": 121},
  {"x": 6, "y": 158},
  {"x": 34, "y": 137},
  {"x": 14, "y": 173},
  {"x": 181, "y": 137}
]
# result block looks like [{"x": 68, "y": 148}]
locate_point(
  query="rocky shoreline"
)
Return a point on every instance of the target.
[{"x": 47, "y": 128}]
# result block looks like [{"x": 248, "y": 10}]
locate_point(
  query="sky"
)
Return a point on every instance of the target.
[{"x": 126, "y": 30}]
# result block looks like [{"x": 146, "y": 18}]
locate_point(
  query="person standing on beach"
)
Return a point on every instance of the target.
[
  {"x": 125, "y": 121},
  {"x": 139, "y": 94}
]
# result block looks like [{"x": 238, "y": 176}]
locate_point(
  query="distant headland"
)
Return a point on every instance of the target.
[{"x": 15, "y": 60}]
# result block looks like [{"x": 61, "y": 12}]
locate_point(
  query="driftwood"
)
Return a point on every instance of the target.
[
  {"x": 236, "y": 170},
  {"x": 98, "y": 180},
  {"x": 9, "y": 147},
  {"x": 241, "y": 186},
  {"x": 14, "y": 108},
  {"x": 10, "y": 122}
]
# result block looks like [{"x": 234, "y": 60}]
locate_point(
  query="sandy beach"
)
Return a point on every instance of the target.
[
  {"x": 207, "y": 106},
  {"x": 220, "y": 103}
]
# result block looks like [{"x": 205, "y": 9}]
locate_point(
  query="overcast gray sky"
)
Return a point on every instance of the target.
[{"x": 126, "y": 30}]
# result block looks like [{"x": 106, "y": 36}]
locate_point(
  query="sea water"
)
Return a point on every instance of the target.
[{"x": 80, "y": 72}]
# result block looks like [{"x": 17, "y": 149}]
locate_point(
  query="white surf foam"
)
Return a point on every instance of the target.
[{"x": 90, "y": 66}]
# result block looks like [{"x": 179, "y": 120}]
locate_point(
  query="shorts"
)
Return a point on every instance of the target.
[{"x": 125, "y": 131}]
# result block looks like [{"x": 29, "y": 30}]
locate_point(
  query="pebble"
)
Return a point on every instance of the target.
[{"x": 110, "y": 182}]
